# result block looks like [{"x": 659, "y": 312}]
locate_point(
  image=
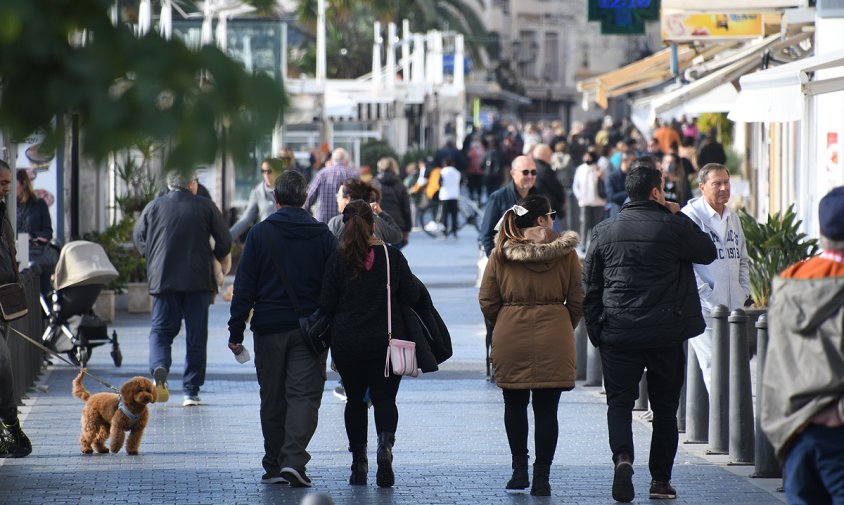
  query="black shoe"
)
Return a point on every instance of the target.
[
  {"x": 296, "y": 477},
  {"x": 662, "y": 491},
  {"x": 273, "y": 478},
  {"x": 20, "y": 437},
  {"x": 9, "y": 447},
  {"x": 360, "y": 466},
  {"x": 622, "y": 483},
  {"x": 520, "y": 478}
]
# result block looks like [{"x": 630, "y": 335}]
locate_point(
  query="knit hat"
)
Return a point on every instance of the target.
[{"x": 831, "y": 214}]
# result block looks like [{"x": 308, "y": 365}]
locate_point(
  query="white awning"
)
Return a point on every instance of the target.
[{"x": 776, "y": 95}]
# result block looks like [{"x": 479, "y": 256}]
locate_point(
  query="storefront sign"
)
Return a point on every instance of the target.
[{"x": 684, "y": 25}]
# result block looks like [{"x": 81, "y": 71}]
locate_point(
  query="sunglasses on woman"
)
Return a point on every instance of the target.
[
  {"x": 552, "y": 214},
  {"x": 528, "y": 172}
]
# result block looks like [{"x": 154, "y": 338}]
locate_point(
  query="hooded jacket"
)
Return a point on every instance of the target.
[
  {"x": 395, "y": 200},
  {"x": 305, "y": 245},
  {"x": 803, "y": 367},
  {"x": 532, "y": 293},
  {"x": 638, "y": 278},
  {"x": 725, "y": 281}
]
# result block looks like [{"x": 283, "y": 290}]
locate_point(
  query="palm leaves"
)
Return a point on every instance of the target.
[{"x": 771, "y": 247}]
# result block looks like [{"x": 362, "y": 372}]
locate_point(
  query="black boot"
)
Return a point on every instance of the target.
[
  {"x": 520, "y": 479},
  {"x": 360, "y": 465},
  {"x": 541, "y": 486},
  {"x": 385, "y": 477}
]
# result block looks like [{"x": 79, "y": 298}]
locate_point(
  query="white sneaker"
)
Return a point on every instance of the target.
[{"x": 191, "y": 401}]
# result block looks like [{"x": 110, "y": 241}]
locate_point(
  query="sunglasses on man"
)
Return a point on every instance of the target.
[{"x": 529, "y": 172}]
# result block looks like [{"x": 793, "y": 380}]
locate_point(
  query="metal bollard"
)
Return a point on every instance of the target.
[
  {"x": 642, "y": 401},
  {"x": 741, "y": 395},
  {"x": 594, "y": 371},
  {"x": 766, "y": 464},
  {"x": 719, "y": 421},
  {"x": 581, "y": 341},
  {"x": 697, "y": 402}
]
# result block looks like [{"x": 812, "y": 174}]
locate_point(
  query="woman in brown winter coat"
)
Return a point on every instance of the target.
[{"x": 532, "y": 291}]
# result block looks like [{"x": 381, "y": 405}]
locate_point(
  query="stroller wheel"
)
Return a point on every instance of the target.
[{"x": 116, "y": 355}]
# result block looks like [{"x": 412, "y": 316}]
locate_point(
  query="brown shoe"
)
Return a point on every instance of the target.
[
  {"x": 622, "y": 483},
  {"x": 662, "y": 491}
]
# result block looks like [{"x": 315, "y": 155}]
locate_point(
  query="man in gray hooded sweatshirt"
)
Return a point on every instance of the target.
[{"x": 725, "y": 281}]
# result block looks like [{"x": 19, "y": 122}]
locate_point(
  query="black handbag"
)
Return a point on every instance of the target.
[
  {"x": 45, "y": 255},
  {"x": 12, "y": 301},
  {"x": 315, "y": 326}
]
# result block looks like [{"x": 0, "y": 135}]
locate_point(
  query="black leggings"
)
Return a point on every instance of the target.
[
  {"x": 357, "y": 376},
  {"x": 545, "y": 402}
]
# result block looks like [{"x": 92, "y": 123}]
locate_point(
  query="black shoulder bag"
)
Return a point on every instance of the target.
[{"x": 315, "y": 326}]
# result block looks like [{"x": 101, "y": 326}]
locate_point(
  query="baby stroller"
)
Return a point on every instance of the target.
[{"x": 83, "y": 269}]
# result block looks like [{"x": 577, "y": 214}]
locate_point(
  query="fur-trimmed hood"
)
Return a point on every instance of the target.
[{"x": 545, "y": 245}]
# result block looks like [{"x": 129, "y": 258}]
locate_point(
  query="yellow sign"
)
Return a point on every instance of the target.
[{"x": 685, "y": 25}]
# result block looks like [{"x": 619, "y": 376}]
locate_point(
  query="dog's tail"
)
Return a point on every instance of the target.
[{"x": 79, "y": 390}]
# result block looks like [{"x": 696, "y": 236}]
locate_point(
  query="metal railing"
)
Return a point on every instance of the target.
[{"x": 27, "y": 359}]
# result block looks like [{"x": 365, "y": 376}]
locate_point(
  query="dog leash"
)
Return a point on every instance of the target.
[{"x": 62, "y": 358}]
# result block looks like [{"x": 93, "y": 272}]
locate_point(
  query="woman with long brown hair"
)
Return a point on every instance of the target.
[
  {"x": 33, "y": 217},
  {"x": 354, "y": 295},
  {"x": 532, "y": 292}
]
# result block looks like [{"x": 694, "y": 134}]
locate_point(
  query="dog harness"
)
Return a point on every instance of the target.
[{"x": 133, "y": 418}]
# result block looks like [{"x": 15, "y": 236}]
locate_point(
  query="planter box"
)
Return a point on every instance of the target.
[
  {"x": 105, "y": 305},
  {"x": 139, "y": 299}
]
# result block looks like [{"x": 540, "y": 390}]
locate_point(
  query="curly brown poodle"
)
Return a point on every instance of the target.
[{"x": 104, "y": 418}]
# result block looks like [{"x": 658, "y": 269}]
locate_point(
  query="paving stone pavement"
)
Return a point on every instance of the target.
[{"x": 450, "y": 447}]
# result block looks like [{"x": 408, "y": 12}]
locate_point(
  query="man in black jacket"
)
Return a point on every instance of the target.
[
  {"x": 173, "y": 234},
  {"x": 641, "y": 303},
  {"x": 547, "y": 183},
  {"x": 523, "y": 172},
  {"x": 291, "y": 377}
]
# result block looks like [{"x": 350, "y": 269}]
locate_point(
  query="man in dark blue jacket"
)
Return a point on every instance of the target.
[
  {"x": 291, "y": 378},
  {"x": 523, "y": 173},
  {"x": 641, "y": 303},
  {"x": 173, "y": 234}
]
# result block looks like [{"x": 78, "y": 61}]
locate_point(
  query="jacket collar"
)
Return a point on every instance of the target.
[{"x": 545, "y": 246}]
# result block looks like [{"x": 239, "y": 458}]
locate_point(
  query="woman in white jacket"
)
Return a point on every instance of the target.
[
  {"x": 725, "y": 281},
  {"x": 585, "y": 187}
]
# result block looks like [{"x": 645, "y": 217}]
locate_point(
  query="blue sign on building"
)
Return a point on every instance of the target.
[{"x": 623, "y": 17}]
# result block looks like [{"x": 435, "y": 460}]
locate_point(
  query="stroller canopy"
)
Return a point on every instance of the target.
[{"x": 82, "y": 263}]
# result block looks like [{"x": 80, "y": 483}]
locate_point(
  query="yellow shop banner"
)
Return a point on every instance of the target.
[{"x": 685, "y": 25}]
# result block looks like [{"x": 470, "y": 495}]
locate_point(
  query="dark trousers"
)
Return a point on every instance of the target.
[
  {"x": 814, "y": 467},
  {"x": 545, "y": 402},
  {"x": 450, "y": 208},
  {"x": 357, "y": 376},
  {"x": 476, "y": 187},
  {"x": 8, "y": 408},
  {"x": 291, "y": 381},
  {"x": 168, "y": 310},
  {"x": 622, "y": 372}
]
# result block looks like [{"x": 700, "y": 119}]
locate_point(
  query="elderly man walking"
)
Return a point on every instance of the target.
[
  {"x": 523, "y": 172},
  {"x": 641, "y": 303},
  {"x": 725, "y": 281},
  {"x": 172, "y": 233},
  {"x": 326, "y": 182},
  {"x": 803, "y": 385},
  {"x": 290, "y": 376}
]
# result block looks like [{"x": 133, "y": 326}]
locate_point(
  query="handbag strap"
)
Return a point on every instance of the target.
[
  {"x": 288, "y": 286},
  {"x": 389, "y": 297}
]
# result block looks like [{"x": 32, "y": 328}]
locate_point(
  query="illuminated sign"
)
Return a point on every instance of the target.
[{"x": 623, "y": 17}]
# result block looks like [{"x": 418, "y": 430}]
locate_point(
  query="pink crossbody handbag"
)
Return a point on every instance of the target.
[{"x": 401, "y": 354}]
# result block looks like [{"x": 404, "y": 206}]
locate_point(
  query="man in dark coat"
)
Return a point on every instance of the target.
[
  {"x": 173, "y": 234},
  {"x": 641, "y": 303},
  {"x": 711, "y": 151},
  {"x": 523, "y": 173}
]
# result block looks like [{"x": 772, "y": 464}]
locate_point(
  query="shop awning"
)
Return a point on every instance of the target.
[
  {"x": 776, "y": 95},
  {"x": 643, "y": 74},
  {"x": 743, "y": 61}
]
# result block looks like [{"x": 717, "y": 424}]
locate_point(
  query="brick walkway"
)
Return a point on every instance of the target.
[{"x": 450, "y": 447}]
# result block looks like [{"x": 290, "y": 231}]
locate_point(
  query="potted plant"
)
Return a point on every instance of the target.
[{"x": 771, "y": 247}]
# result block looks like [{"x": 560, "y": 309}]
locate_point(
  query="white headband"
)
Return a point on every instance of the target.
[{"x": 518, "y": 209}]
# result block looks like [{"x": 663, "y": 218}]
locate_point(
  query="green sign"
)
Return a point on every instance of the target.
[{"x": 623, "y": 17}]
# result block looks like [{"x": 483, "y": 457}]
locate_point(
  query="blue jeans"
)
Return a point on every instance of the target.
[
  {"x": 168, "y": 310},
  {"x": 814, "y": 467}
]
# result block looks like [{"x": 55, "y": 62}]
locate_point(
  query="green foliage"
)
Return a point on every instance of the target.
[
  {"x": 373, "y": 151},
  {"x": 137, "y": 177},
  {"x": 771, "y": 248},
  {"x": 123, "y": 87}
]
